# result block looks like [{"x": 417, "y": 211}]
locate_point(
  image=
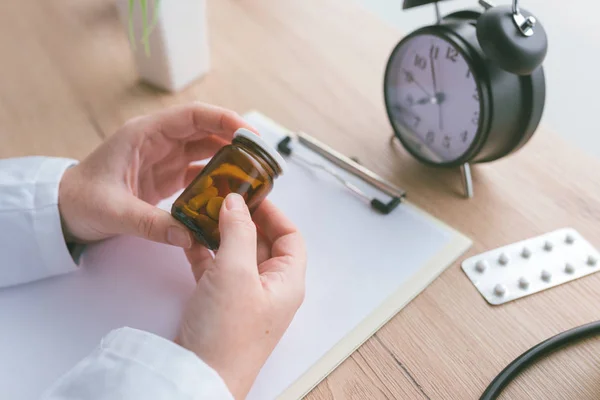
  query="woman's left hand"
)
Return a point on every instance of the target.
[{"x": 115, "y": 189}]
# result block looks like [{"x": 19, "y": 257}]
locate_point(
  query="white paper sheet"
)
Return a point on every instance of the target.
[{"x": 363, "y": 267}]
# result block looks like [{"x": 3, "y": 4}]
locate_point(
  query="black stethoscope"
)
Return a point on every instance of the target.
[{"x": 532, "y": 355}]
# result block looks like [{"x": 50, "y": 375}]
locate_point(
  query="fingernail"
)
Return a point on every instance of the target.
[
  {"x": 179, "y": 237},
  {"x": 234, "y": 201}
]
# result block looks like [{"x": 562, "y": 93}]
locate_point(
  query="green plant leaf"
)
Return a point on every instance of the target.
[
  {"x": 152, "y": 25},
  {"x": 146, "y": 29},
  {"x": 144, "y": 7},
  {"x": 131, "y": 33},
  {"x": 154, "y": 17}
]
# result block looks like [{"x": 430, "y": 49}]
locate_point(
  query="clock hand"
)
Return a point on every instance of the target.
[
  {"x": 433, "y": 77},
  {"x": 411, "y": 78},
  {"x": 437, "y": 99},
  {"x": 426, "y": 100},
  {"x": 435, "y": 89}
]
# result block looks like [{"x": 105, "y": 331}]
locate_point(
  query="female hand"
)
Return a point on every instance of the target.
[
  {"x": 247, "y": 295},
  {"x": 115, "y": 189}
]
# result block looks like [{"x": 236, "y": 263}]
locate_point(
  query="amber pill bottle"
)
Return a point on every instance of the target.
[{"x": 248, "y": 166}]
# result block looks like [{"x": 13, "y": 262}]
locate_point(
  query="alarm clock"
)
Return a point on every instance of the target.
[{"x": 468, "y": 89}]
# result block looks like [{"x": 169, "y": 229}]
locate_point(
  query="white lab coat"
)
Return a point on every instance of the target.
[{"x": 128, "y": 363}]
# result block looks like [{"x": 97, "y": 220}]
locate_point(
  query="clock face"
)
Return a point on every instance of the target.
[{"x": 433, "y": 98}]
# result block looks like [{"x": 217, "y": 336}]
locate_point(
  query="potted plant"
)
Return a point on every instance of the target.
[{"x": 168, "y": 39}]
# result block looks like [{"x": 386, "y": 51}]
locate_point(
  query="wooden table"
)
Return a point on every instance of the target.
[{"x": 68, "y": 81}]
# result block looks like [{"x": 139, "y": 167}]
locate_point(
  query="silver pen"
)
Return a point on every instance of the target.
[{"x": 397, "y": 194}]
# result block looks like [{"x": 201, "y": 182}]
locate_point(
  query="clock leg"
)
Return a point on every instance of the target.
[
  {"x": 465, "y": 170},
  {"x": 467, "y": 180},
  {"x": 486, "y": 4},
  {"x": 438, "y": 15}
]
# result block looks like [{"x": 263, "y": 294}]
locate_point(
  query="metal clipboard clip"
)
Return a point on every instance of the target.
[{"x": 397, "y": 195}]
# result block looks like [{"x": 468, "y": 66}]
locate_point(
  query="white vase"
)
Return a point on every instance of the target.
[{"x": 178, "y": 44}]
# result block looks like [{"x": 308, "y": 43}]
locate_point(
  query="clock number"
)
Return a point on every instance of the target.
[
  {"x": 464, "y": 136},
  {"x": 452, "y": 54},
  {"x": 446, "y": 142},
  {"x": 430, "y": 137},
  {"x": 434, "y": 52},
  {"x": 475, "y": 119},
  {"x": 417, "y": 121},
  {"x": 420, "y": 62},
  {"x": 476, "y": 96},
  {"x": 469, "y": 73},
  {"x": 409, "y": 76}
]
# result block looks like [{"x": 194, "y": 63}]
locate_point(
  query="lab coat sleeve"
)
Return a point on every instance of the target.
[
  {"x": 32, "y": 245},
  {"x": 130, "y": 365}
]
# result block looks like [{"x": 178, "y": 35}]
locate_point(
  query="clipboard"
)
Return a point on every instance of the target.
[
  {"x": 363, "y": 267},
  {"x": 440, "y": 244}
]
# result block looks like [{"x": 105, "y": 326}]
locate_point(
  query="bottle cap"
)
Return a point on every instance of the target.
[{"x": 262, "y": 143}]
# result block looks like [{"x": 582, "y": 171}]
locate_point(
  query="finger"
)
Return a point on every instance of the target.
[
  {"x": 196, "y": 120},
  {"x": 263, "y": 250},
  {"x": 191, "y": 173},
  {"x": 198, "y": 150},
  {"x": 286, "y": 271},
  {"x": 201, "y": 259},
  {"x": 238, "y": 235},
  {"x": 219, "y": 121},
  {"x": 288, "y": 256},
  {"x": 288, "y": 248},
  {"x": 173, "y": 174},
  {"x": 272, "y": 222},
  {"x": 138, "y": 218}
]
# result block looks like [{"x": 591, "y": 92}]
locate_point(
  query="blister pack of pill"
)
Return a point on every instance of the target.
[{"x": 530, "y": 266}]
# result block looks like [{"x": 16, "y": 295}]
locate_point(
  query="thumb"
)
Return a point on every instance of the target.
[
  {"x": 238, "y": 234},
  {"x": 150, "y": 222}
]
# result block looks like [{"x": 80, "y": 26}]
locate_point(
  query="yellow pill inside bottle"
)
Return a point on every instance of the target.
[
  {"x": 200, "y": 200},
  {"x": 248, "y": 166}
]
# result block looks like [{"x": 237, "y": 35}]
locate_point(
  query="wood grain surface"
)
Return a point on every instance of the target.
[{"x": 68, "y": 81}]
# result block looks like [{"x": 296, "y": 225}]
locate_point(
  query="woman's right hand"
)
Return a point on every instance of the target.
[{"x": 247, "y": 295}]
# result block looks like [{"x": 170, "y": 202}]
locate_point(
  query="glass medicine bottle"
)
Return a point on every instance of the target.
[{"x": 248, "y": 166}]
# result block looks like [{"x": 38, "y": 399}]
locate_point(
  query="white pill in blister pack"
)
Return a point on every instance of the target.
[
  {"x": 503, "y": 259},
  {"x": 569, "y": 268},
  {"x": 592, "y": 260},
  {"x": 481, "y": 266},
  {"x": 523, "y": 282},
  {"x": 546, "y": 275},
  {"x": 530, "y": 266},
  {"x": 569, "y": 239},
  {"x": 499, "y": 290}
]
